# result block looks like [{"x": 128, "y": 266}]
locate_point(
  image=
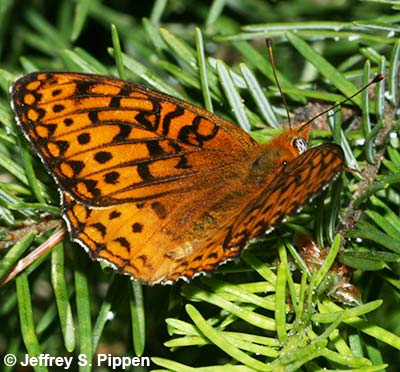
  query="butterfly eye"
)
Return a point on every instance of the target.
[{"x": 300, "y": 144}]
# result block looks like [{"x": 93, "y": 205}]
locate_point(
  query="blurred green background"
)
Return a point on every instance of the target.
[{"x": 72, "y": 314}]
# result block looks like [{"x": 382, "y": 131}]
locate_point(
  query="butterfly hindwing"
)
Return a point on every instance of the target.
[{"x": 301, "y": 179}]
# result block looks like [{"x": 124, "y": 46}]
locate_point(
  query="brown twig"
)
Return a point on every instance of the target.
[
  {"x": 23, "y": 263},
  {"x": 370, "y": 172}
]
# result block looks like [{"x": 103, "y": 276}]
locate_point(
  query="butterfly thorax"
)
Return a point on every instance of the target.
[
  {"x": 271, "y": 157},
  {"x": 264, "y": 163}
]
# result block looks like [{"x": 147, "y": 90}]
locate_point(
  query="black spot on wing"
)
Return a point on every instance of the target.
[
  {"x": 68, "y": 122},
  {"x": 159, "y": 210},
  {"x": 58, "y": 108},
  {"x": 93, "y": 116},
  {"x": 56, "y": 92},
  {"x": 111, "y": 177},
  {"x": 114, "y": 214},
  {"x": 83, "y": 88},
  {"x": 83, "y": 138},
  {"x": 103, "y": 157},
  {"x": 137, "y": 227}
]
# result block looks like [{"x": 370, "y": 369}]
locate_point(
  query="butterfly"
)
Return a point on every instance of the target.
[{"x": 157, "y": 187}]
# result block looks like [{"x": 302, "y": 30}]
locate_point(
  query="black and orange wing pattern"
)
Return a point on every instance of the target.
[
  {"x": 303, "y": 178},
  {"x": 156, "y": 186}
]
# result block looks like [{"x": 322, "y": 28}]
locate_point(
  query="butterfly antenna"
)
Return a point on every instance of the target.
[
  {"x": 376, "y": 79},
  {"x": 271, "y": 57}
]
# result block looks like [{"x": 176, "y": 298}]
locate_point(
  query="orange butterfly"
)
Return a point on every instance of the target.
[{"x": 158, "y": 187}]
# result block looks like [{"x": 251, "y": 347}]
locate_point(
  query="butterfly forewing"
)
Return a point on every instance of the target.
[
  {"x": 156, "y": 186},
  {"x": 108, "y": 141}
]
